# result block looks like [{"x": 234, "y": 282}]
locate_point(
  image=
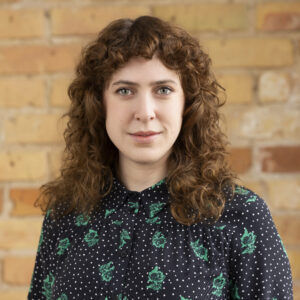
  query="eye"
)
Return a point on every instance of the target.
[
  {"x": 165, "y": 88},
  {"x": 122, "y": 89}
]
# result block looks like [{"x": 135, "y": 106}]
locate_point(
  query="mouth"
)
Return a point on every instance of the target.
[{"x": 145, "y": 138}]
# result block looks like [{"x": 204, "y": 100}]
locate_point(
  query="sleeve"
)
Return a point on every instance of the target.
[
  {"x": 42, "y": 277},
  {"x": 259, "y": 265}
]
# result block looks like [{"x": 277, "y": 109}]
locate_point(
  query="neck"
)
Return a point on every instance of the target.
[{"x": 137, "y": 177}]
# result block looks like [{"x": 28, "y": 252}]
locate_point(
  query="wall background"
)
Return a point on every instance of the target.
[{"x": 255, "y": 49}]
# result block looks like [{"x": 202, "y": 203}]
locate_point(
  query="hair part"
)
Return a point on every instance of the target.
[{"x": 198, "y": 169}]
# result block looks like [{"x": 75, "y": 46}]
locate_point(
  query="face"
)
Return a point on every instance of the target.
[{"x": 144, "y": 95}]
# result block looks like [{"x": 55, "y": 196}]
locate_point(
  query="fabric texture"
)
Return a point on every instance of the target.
[{"x": 133, "y": 248}]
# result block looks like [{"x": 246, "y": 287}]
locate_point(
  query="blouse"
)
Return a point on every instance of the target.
[{"x": 133, "y": 248}]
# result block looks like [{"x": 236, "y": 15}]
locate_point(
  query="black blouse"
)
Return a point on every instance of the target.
[{"x": 133, "y": 248}]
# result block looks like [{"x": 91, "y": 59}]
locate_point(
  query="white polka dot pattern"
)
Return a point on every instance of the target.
[{"x": 133, "y": 248}]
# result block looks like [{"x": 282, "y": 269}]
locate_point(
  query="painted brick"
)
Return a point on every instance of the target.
[
  {"x": 273, "y": 87},
  {"x": 275, "y": 16},
  {"x": 17, "y": 92},
  {"x": 240, "y": 159},
  {"x": 296, "y": 290},
  {"x": 266, "y": 123},
  {"x": 250, "y": 52},
  {"x": 31, "y": 59},
  {"x": 14, "y": 294},
  {"x": 284, "y": 193},
  {"x": 40, "y": 129},
  {"x": 239, "y": 88},
  {"x": 20, "y": 233},
  {"x": 59, "y": 92},
  {"x": 87, "y": 20},
  {"x": 23, "y": 201},
  {"x": 18, "y": 270},
  {"x": 294, "y": 257},
  {"x": 22, "y": 165},
  {"x": 55, "y": 163},
  {"x": 205, "y": 17},
  {"x": 288, "y": 228},
  {"x": 281, "y": 159},
  {"x": 22, "y": 23}
]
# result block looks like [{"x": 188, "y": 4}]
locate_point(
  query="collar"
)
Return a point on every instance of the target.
[{"x": 152, "y": 199}]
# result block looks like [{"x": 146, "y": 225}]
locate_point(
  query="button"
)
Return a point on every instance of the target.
[{"x": 123, "y": 253}]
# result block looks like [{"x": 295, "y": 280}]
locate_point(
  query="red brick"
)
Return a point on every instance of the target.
[
  {"x": 281, "y": 159},
  {"x": 23, "y": 200},
  {"x": 240, "y": 159},
  {"x": 31, "y": 59},
  {"x": 288, "y": 228}
]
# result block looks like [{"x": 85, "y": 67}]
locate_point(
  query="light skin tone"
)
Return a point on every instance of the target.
[{"x": 145, "y": 104}]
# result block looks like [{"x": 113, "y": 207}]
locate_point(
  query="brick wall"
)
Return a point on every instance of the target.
[{"x": 255, "y": 48}]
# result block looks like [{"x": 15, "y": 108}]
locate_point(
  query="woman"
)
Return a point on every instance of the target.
[{"x": 146, "y": 206}]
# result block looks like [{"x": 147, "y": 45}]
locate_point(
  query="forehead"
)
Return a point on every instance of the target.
[{"x": 143, "y": 70}]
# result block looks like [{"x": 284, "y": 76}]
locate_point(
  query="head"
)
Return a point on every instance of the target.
[{"x": 103, "y": 114}]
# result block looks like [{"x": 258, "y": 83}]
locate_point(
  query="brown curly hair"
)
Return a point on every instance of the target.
[{"x": 198, "y": 170}]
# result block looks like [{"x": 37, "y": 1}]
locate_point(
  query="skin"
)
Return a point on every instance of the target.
[{"x": 143, "y": 107}]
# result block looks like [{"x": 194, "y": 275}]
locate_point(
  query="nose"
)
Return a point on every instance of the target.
[{"x": 145, "y": 108}]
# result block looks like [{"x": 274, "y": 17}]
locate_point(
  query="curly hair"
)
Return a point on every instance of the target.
[{"x": 198, "y": 170}]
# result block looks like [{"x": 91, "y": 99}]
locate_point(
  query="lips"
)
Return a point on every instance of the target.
[{"x": 146, "y": 133}]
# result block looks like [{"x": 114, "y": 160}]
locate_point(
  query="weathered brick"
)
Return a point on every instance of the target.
[
  {"x": 280, "y": 159},
  {"x": 21, "y": 23},
  {"x": 55, "y": 163},
  {"x": 288, "y": 228},
  {"x": 16, "y": 92},
  {"x": 23, "y": 201},
  {"x": 284, "y": 193},
  {"x": 31, "y": 59},
  {"x": 275, "y": 16},
  {"x": 250, "y": 52},
  {"x": 59, "y": 92},
  {"x": 14, "y": 294},
  {"x": 240, "y": 159},
  {"x": 20, "y": 233},
  {"x": 40, "y": 129},
  {"x": 296, "y": 290},
  {"x": 239, "y": 88},
  {"x": 205, "y": 17},
  {"x": 294, "y": 257},
  {"x": 87, "y": 20},
  {"x": 22, "y": 165},
  {"x": 273, "y": 87},
  {"x": 17, "y": 270},
  {"x": 267, "y": 123}
]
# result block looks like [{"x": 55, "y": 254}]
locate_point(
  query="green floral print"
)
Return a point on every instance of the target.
[
  {"x": 241, "y": 191},
  {"x": 47, "y": 286},
  {"x": 155, "y": 208},
  {"x": 117, "y": 222},
  {"x": 109, "y": 212},
  {"x": 155, "y": 220},
  {"x": 248, "y": 241},
  {"x": 82, "y": 220},
  {"x": 158, "y": 240},
  {"x": 234, "y": 290},
  {"x": 252, "y": 199},
  {"x": 199, "y": 250},
  {"x": 218, "y": 284},
  {"x": 106, "y": 271},
  {"x": 63, "y": 245},
  {"x": 220, "y": 227},
  {"x": 120, "y": 297},
  {"x": 182, "y": 298},
  {"x": 124, "y": 236},
  {"x": 156, "y": 279},
  {"x": 91, "y": 237},
  {"x": 134, "y": 205},
  {"x": 157, "y": 184},
  {"x": 62, "y": 297}
]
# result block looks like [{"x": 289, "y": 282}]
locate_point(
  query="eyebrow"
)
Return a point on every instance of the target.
[{"x": 136, "y": 84}]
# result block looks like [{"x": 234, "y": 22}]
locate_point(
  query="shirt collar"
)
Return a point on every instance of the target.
[{"x": 152, "y": 199}]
